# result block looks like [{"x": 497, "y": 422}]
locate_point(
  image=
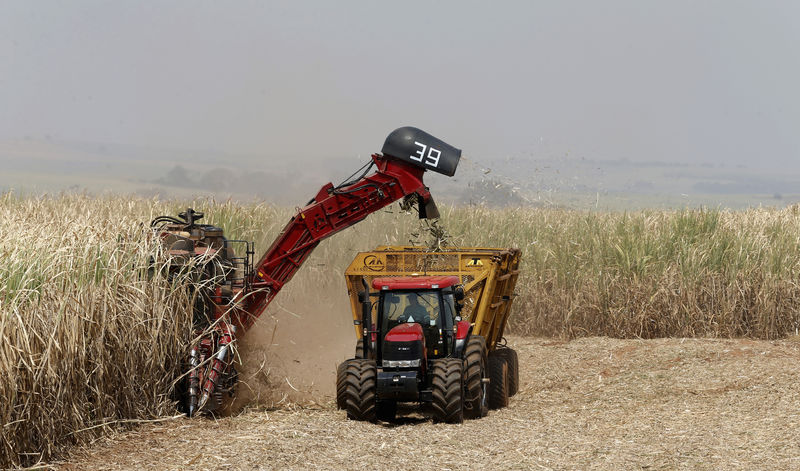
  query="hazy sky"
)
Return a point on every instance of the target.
[{"x": 712, "y": 81}]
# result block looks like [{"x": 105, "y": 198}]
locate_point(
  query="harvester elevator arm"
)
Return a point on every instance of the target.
[{"x": 331, "y": 210}]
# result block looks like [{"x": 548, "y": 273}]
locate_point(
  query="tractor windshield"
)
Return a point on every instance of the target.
[
  {"x": 424, "y": 308},
  {"x": 421, "y": 307}
]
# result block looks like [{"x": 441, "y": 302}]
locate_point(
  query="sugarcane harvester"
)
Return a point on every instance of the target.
[{"x": 232, "y": 292}]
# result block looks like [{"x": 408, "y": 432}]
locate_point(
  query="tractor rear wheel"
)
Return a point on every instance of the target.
[
  {"x": 359, "y": 393},
  {"x": 475, "y": 388},
  {"x": 498, "y": 385},
  {"x": 513, "y": 369},
  {"x": 448, "y": 390}
]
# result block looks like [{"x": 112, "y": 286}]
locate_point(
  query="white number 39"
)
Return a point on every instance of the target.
[{"x": 431, "y": 158}]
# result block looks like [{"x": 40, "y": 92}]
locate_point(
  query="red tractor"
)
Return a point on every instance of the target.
[
  {"x": 434, "y": 338},
  {"x": 418, "y": 341},
  {"x": 232, "y": 291}
]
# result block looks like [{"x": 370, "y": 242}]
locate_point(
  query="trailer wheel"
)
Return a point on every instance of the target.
[
  {"x": 498, "y": 385},
  {"x": 475, "y": 388},
  {"x": 341, "y": 385},
  {"x": 359, "y": 393},
  {"x": 386, "y": 410},
  {"x": 513, "y": 369},
  {"x": 359, "y": 350},
  {"x": 448, "y": 390}
]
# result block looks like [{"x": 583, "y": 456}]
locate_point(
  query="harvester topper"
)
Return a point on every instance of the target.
[{"x": 419, "y": 148}]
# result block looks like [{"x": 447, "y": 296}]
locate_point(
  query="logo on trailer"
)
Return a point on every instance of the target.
[
  {"x": 475, "y": 262},
  {"x": 374, "y": 263}
]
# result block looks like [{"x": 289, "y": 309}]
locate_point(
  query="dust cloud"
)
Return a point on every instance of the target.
[{"x": 290, "y": 355}]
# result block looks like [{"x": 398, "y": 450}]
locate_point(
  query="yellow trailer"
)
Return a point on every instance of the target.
[
  {"x": 488, "y": 276},
  {"x": 430, "y": 330}
]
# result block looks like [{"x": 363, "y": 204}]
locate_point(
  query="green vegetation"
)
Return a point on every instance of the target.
[{"x": 650, "y": 273}]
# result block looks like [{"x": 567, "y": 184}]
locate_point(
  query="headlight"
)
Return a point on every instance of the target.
[{"x": 401, "y": 363}]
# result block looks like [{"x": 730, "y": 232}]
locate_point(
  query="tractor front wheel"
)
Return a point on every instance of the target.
[
  {"x": 341, "y": 385},
  {"x": 360, "y": 389},
  {"x": 448, "y": 390}
]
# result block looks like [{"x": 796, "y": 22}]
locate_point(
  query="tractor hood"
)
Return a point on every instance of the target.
[
  {"x": 409, "y": 332},
  {"x": 404, "y": 347}
]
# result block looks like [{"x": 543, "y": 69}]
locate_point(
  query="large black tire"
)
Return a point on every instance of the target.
[
  {"x": 386, "y": 410},
  {"x": 498, "y": 385},
  {"x": 360, "y": 385},
  {"x": 513, "y": 369},
  {"x": 448, "y": 390},
  {"x": 475, "y": 388},
  {"x": 341, "y": 385}
]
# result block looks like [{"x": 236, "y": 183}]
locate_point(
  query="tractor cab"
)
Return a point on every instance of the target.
[
  {"x": 416, "y": 319},
  {"x": 416, "y": 327}
]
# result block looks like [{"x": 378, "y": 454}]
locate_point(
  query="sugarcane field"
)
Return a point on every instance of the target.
[
  {"x": 358, "y": 235},
  {"x": 635, "y": 383}
]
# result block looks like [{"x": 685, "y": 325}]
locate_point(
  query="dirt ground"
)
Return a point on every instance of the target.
[{"x": 593, "y": 403}]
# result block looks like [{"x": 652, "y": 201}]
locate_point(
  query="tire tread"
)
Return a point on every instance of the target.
[
  {"x": 475, "y": 363},
  {"x": 360, "y": 389},
  {"x": 498, "y": 385},
  {"x": 448, "y": 390}
]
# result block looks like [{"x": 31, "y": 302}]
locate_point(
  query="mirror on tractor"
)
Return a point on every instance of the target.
[
  {"x": 458, "y": 292},
  {"x": 458, "y": 295}
]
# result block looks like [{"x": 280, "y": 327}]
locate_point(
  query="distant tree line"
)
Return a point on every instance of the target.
[{"x": 224, "y": 180}]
